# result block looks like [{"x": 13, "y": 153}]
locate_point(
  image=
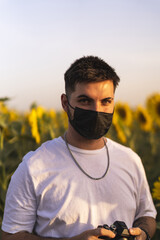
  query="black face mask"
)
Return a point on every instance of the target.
[{"x": 90, "y": 124}]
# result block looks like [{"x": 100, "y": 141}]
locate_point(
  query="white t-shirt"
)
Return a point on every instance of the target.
[{"x": 50, "y": 195}]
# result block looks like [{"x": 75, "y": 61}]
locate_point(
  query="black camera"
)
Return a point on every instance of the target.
[{"x": 120, "y": 229}]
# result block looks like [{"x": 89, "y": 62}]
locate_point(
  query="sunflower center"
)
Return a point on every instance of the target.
[
  {"x": 142, "y": 118},
  {"x": 122, "y": 113},
  {"x": 158, "y": 108}
]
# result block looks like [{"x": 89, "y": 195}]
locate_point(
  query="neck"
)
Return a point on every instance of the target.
[{"x": 76, "y": 140}]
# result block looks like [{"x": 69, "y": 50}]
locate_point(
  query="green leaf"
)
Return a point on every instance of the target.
[
  {"x": 158, "y": 225},
  {"x": 4, "y": 99}
]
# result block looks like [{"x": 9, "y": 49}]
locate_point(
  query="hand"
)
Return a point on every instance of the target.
[
  {"x": 93, "y": 234},
  {"x": 138, "y": 233}
]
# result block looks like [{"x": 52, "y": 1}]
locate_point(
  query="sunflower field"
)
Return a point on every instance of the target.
[{"x": 138, "y": 128}]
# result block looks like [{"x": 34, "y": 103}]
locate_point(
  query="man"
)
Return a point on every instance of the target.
[{"x": 74, "y": 183}]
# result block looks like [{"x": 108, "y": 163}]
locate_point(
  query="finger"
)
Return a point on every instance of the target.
[
  {"x": 135, "y": 231},
  {"x": 103, "y": 232}
]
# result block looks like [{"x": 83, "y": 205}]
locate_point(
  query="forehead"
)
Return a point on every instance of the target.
[{"x": 94, "y": 89}]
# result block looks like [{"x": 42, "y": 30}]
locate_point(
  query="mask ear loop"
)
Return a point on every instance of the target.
[
  {"x": 69, "y": 112},
  {"x": 69, "y": 103}
]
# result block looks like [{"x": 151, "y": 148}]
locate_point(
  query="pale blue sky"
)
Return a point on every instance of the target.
[{"x": 39, "y": 39}]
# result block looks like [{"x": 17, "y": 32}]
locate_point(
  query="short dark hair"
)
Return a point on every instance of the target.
[{"x": 89, "y": 69}]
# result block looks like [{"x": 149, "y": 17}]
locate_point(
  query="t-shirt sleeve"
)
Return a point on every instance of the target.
[
  {"x": 145, "y": 205},
  {"x": 20, "y": 205}
]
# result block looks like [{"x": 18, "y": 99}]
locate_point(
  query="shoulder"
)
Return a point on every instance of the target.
[
  {"x": 45, "y": 156},
  {"x": 45, "y": 149},
  {"x": 119, "y": 148},
  {"x": 125, "y": 161},
  {"x": 124, "y": 154}
]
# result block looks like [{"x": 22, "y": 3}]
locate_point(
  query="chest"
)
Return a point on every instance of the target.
[{"x": 67, "y": 192}]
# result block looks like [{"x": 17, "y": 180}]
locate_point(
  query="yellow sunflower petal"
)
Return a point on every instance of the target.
[
  {"x": 143, "y": 118},
  {"x": 153, "y": 106},
  {"x": 124, "y": 113}
]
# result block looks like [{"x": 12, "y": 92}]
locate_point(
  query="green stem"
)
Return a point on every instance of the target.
[{"x": 1, "y": 138}]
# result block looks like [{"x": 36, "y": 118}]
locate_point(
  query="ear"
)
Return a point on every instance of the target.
[{"x": 64, "y": 102}]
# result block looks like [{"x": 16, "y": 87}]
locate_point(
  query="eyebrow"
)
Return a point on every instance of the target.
[
  {"x": 85, "y": 96},
  {"x": 108, "y": 98}
]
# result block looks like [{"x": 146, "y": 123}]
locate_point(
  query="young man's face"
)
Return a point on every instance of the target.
[{"x": 97, "y": 96}]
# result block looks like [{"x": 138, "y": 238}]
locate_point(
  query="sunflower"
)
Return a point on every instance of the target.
[
  {"x": 143, "y": 118},
  {"x": 124, "y": 113},
  {"x": 64, "y": 119},
  {"x": 3, "y": 108},
  {"x": 53, "y": 116},
  {"x": 156, "y": 190},
  {"x": 40, "y": 111},
  {"x": 33, "y": 120},
  {"x": 153, "y": 106},
  {"x": 13, "y": 115},
  {"x": 120, "y": 133}
]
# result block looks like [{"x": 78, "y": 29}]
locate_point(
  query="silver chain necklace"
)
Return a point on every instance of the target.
[{"x": 93, "y": 178}]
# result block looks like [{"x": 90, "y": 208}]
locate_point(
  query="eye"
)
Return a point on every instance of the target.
[
  {"x": 107, "y": 101},
  {"x": 84, "y": 101}
]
